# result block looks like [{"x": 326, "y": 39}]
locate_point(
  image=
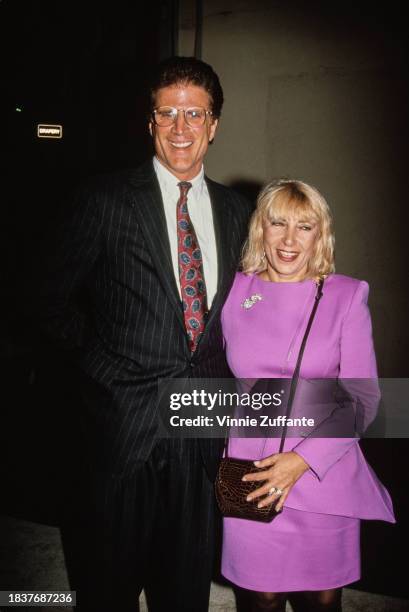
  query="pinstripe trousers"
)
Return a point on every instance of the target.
[{"x": 153, "y": 531}]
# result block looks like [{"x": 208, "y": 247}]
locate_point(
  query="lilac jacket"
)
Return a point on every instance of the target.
[{"x": 263, "y": 342}]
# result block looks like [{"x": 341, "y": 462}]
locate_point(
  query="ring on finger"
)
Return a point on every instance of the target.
[{"x": 272, "y": 490}]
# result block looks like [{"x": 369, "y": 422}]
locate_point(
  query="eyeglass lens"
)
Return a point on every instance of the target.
[{"x": 166, "y": 115}]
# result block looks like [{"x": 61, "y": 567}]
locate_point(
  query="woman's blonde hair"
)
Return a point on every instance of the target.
[{"x": 289, "y": 197}]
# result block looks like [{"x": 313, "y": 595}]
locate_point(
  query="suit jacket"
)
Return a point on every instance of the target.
[{"x": 112, "y": 299}]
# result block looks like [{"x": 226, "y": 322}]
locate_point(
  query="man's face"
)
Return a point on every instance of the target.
[{"x": 180, "y": 147}]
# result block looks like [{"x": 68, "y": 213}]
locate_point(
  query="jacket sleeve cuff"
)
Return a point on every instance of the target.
[{"x": 322, "y": 453}]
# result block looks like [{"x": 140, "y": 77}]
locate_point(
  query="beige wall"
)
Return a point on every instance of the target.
[{"x": 321, "y": 98}]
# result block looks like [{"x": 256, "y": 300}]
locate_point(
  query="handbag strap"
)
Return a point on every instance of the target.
[{"x": 296, "y": 373}]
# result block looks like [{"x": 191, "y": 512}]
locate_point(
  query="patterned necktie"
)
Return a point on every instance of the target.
[{"x": 192, "y": 283}]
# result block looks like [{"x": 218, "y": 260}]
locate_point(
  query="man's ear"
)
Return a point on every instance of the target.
[
  {"x": 212, "y": 130},
  {"x": 150, "y": 128}
]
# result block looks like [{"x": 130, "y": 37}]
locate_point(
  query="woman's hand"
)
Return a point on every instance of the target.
[{"x": 284, "y": 469}]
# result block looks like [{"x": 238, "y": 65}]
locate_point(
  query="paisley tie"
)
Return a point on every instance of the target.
[{"x": 192, "y": 282}]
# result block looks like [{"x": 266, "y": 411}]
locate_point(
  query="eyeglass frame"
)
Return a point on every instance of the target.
[{"x": 184, "y": 111}]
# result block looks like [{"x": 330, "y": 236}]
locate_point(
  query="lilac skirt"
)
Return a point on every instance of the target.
[{"x": 297, "y": 551}]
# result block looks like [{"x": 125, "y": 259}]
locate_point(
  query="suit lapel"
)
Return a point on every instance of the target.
[
  {"x": 148, "y": 206},
  {"x": 221, "y": 221}
]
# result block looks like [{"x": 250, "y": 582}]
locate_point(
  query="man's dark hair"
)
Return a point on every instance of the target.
[{"x": 188, "y": 70}]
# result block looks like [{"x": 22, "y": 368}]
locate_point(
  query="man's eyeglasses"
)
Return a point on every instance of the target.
[{"x": 166, "y": 115}]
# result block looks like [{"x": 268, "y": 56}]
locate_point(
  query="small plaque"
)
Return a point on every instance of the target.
[{"x": 45, "y": 130}]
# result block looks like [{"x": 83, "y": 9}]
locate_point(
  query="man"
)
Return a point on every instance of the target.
[{"x": 144, "y": 268}]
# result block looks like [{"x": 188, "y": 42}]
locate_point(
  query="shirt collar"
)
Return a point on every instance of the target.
[{"x": 169, "y": 181}]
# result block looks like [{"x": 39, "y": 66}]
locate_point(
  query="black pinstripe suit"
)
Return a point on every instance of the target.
[{"x": 115, "y": 302}]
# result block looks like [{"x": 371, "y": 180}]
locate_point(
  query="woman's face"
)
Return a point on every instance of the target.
[{"x": 289, "y": 244}]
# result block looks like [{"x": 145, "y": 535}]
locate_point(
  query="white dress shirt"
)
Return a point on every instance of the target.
[{"x": 200, "y": 211}]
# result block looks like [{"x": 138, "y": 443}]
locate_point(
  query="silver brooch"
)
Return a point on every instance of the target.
[{"x": 250, "y": 301}]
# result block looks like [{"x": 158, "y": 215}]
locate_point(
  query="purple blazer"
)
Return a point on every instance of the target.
[{"x": 263, "y": 342}]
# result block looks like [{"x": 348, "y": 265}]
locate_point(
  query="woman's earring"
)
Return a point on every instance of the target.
[{"x": 263, "y": 258}]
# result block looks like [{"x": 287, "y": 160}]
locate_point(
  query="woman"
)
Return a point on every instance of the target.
[{"x": 323, "y": 485}]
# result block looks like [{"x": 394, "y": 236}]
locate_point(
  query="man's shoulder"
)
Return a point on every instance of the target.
[
  {"x": 119, "y": 181},
  {"x": 117, "y": 190},
  {"x": 229, "y": 195},
  {"x": 214, "y": 185}
]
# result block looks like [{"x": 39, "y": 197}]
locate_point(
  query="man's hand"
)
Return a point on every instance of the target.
[{"x": 284, "y": 469}]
